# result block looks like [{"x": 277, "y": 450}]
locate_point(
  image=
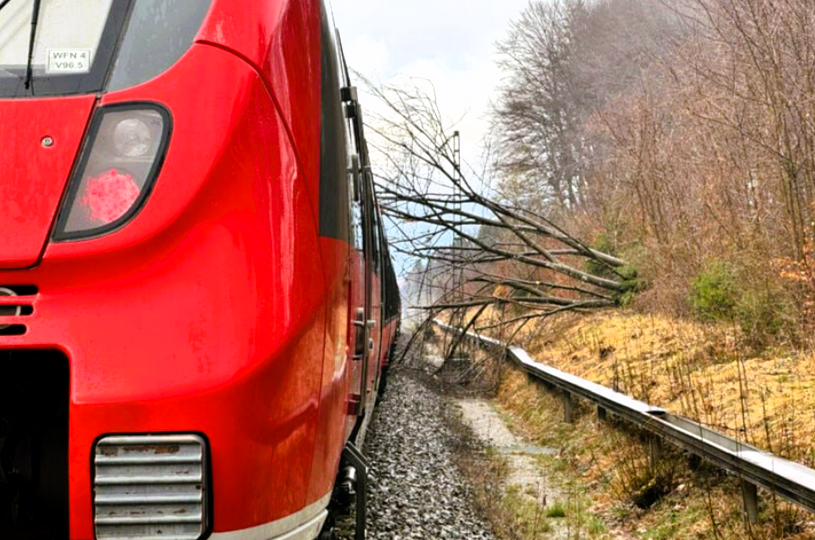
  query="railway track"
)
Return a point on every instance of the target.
[{"x": 415, "y": 488}]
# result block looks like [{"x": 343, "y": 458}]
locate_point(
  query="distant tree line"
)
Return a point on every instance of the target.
[{"x": 643, "y": 151}]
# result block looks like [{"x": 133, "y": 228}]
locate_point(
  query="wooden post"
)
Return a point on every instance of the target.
[
  {"x": 568, "y": 414},
  {"x": 654, "y": 450},
  {"x": 601, "y": 414},
  {"x": 750, "y": 493}
]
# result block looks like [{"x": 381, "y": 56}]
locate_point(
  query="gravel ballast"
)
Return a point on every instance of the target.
[{"x": 416, "y": 491}]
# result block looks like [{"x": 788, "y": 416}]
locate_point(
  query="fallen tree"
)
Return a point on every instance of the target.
[{"x": 479, "y": 248}]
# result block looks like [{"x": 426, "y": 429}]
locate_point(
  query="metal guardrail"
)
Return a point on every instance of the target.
[{"x": 754, "y": 466}]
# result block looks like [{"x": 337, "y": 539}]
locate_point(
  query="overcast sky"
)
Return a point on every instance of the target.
[{"x": 450, "y": 42}]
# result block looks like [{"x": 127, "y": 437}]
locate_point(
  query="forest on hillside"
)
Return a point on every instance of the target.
[{"x": 653, "y": 154}]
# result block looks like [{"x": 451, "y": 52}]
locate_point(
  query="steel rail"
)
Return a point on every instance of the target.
[{"x": 790, "y": 480}]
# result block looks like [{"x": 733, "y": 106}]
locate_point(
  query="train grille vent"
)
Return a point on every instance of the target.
[
  {"x": 16, "y": 302},
  {"x": 150, "y": 488}
]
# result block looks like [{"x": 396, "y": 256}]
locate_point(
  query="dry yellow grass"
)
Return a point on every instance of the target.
[
  {"x": 605, "y": 467},
  {"x": 693, "y": 369}
]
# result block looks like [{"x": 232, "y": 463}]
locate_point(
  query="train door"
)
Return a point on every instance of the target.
[
  {"x": 385, "y": 278},
  {"x": 358, "y": 304},
  {"x": 361, "y": 285},
  {"x": 375, "y": 337}
]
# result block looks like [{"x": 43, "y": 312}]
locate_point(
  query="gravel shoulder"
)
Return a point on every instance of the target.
[
  {"x": 416, "y": 490},
  {"x": 524, "y": 472}
]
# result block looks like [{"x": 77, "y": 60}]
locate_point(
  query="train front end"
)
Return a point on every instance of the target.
[{"x": 164, "y": 307}]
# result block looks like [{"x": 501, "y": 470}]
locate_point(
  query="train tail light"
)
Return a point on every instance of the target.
[{"x": 119, "y": 164}]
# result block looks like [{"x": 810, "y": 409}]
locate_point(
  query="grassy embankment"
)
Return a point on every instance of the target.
[{"x": 693, "y": 369}]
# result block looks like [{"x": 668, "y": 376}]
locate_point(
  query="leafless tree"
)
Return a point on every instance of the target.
[
  {"x": 684, "y": 131},
  {"x": 482, "y": 249},
  {"x": 563, "y": 60}
]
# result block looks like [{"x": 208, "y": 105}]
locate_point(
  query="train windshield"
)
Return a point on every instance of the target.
[
  {"x": 76, "y": 43},
  {"x": 69, "y": 53}
]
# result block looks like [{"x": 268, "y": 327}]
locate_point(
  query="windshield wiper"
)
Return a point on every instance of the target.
[
  {"x": 29, "y": 68},
  {"x": 35, "y": 16}
]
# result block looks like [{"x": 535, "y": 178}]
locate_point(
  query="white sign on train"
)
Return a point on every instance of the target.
[{"x": 69, "y": 61}]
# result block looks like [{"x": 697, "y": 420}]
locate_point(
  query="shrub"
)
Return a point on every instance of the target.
[
  {"x": 761, "y": 308},
  {"x": 764, "y": 314},
  {"x": 714, "y": 293}
]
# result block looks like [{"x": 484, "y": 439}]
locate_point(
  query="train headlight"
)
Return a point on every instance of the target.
[
  {"x": 116, "y": 171},
  {"x": 132, "y": 137}
]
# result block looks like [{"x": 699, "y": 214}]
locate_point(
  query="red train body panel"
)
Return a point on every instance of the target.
[{"x": 219, "y": 314}]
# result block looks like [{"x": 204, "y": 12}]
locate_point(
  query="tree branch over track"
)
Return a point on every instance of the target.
[{"x": 477, "y": 248}]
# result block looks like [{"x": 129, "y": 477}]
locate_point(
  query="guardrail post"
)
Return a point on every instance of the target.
[
  {"x": 602, "y": 414},
  {"x": 654, "y": 450},
  {"x": 750, "y": 493},
  {"x": 568, "y": 413}
]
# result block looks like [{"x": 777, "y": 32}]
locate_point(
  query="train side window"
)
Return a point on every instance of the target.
[
  {"x": 357, "y": 226},
  {"x": 158, "y": 34},
  {"x": 334, "y": 189},
  {"x": 362, "y": 206},
  {"x": 357, "y": 230},
  {"x": 355, "y": 198},
  {"x": 375, "y": 237},
  {"x": 376, "y": 248}
]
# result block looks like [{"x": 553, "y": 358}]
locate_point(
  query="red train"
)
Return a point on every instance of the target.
[{"x": 196, "y": 296}]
